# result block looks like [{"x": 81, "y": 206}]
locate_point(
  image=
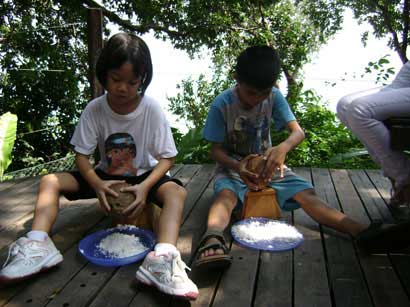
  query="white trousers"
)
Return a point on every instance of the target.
[{"x": 364, "y": 112}]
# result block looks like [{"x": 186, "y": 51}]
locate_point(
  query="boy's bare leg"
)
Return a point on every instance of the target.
[
  {"x": 219, "y": 216},
  {"x": 47, "y": 205},
  {"x": 318, "y": 210},
  {"x": 173, "y": 197}
]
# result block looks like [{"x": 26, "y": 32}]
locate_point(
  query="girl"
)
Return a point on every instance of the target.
[{"x": 124, "y": 69}]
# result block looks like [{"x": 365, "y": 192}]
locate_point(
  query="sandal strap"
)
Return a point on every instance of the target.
[
  {"x": 213, "y": 246},
  {"x": 217, "y": 234}
]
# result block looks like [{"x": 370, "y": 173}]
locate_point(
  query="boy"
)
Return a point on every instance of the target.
[{"x": 238, "y": 127}]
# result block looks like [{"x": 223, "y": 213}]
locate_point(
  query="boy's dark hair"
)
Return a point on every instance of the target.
[
  {"x": 121, "y": 48},
  {"x": 258, "y": 66}
]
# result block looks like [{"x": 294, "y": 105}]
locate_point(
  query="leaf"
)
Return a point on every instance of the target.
[{"x": 8, "y": 128}]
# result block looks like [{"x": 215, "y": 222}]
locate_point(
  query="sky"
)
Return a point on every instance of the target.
[{"x": 342, "y": 58}]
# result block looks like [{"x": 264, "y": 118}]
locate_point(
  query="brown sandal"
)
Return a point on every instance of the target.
[{"x": 215, "y": 261}]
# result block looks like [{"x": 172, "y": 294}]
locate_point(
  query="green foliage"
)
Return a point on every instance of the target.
[
  {"x": 192, "y": 102},
  {"x": 43, "y": 55},
  {"x": 325, "y": 136},
  {"x": 383, "y": 73},
  {"x": 388, "y": 18},
  {"x": 43, "y": 74},
  {"x": 192, "y": 148},
  {"x": 8, "y": 128}
]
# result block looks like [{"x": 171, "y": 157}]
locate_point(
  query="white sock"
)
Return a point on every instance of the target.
[
  {"x": 164, "y": 249},
  {"x": 37, "y": 235}
]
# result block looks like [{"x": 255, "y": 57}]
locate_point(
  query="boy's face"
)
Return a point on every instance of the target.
[{"x": 251, "y": 97}]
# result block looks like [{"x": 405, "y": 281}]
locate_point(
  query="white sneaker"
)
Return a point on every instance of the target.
[
  {"x": 167, "y": 273},
  {"x": 27, "y": 257}
]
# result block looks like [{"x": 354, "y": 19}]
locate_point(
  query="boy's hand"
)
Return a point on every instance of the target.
[
  {"x": 248, "y": 177},
  {"x": 275, "y": 160},
  {"x": 102, "y": 189},
  {"x": 141, "y": 193}
]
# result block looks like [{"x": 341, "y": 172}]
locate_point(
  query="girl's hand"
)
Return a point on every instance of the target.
[
  {"x": 103, "y": 188},
  {"x": 248, "y": 177},
  {"x": 275, "y": 160},
  {"x": 141, "y": 193}
]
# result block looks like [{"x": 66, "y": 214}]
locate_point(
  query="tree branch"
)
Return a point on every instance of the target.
[
  {"x": 406, "y": 21},
  {"x": 130, "y": 26},
  {"x": 396, "y": 42}
]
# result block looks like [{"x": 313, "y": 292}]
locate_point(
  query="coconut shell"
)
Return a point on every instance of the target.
[
  {"x": 123, "y": 200},
  {"x": 256, "y": 166},
  {"x": 148, "y": 218}
]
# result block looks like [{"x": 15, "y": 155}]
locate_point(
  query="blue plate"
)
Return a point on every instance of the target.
[
  {"x": 88, "y": 246},
  {"x": 266, "y": 245}
]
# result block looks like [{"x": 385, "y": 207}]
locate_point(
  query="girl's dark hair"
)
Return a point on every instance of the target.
[
  {"x": 121, "y": 48},
  {"x": 258, "y": 66}
]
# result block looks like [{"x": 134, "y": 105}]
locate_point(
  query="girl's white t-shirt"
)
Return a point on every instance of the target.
[{"x": 130, "y": 144}]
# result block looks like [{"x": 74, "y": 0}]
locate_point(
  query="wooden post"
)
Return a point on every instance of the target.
[{"x": 95, "y": 44}]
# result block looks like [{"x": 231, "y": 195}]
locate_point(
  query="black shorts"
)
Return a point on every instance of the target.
[{"x": 86, "y": 191}]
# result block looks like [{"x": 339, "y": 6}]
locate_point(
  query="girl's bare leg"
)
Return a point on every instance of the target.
[
  {"x": 47, "y": 206},
  {"x": 173, "y": 197}
]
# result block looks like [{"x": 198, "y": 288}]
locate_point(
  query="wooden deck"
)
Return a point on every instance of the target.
[{"x": 326, "y": 270}]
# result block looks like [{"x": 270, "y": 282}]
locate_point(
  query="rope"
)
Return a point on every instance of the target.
[{"x": 64, "y": 164}]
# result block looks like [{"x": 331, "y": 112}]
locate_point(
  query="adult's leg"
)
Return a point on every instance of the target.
[
  {"x": 47, "y": 205},
  {"x": 365, "y": 116},
  {"x": 344, "y": 103}
]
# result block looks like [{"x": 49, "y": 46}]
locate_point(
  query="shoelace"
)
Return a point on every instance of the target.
[
  {"x": 178, "y": 263},
  {"x": 18, "y": 251},
  {"x": 15, "y": 250}
]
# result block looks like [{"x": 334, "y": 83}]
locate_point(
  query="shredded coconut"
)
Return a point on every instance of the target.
[
  {"x": 121, "y": 245},
  {"x": 256, "y": 231}
]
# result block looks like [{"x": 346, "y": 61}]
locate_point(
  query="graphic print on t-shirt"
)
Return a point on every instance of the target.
[
  {"x": 250, "y": 136},
  {"x": 120, "y": 151}
]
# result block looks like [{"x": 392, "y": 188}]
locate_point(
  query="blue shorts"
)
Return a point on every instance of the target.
[{"x": 285, "y": 188}]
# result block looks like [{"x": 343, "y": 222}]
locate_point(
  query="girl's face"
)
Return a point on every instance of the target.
[{"x": 122, "y": 88}]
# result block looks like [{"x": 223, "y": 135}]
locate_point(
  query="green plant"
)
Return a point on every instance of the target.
[
  {"x": 192, "y": 148},
  {"x": 8, "y": 128}
]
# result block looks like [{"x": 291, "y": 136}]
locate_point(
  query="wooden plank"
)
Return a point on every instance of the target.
[
  {"x": 85, "y": 285},
  {"x": 311, "y": 281},
  {"x": 346, "y": 280},
  {"x": 374, "y": 204},
  {"x": 383, "y": 185},
  {"x": 274, "y": 285},
  {"x": 383, "y": 283},
  {"x": 17, "y": 202},
  {"x": 197, "y": 186},
  {"x": 187, "y": 172},
  {"x": 8, "y": 184},
  {"x": 400, "y": 261},
  {"x": 192, "y": 231},
  {"x": 401, "y": 264},
  {"x": 238, "y": 282}
]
